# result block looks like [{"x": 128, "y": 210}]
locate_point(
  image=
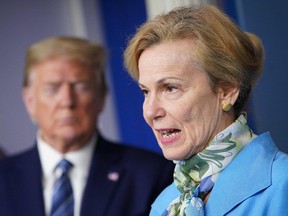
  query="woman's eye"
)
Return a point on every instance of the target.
[
  {"x": 170, "y": 88},
  {"x": 144, "y": 91}
]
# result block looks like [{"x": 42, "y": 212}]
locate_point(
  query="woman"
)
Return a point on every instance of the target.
[{"x": 196, "y": 69}]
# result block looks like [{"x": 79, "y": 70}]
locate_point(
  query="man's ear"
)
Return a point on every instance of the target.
[
  {"x": 229, "y": 94},
  {"x": 28, "y": 99}
]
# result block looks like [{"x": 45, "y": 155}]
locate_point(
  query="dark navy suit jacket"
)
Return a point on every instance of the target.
[{"x": 142, "y": 176}]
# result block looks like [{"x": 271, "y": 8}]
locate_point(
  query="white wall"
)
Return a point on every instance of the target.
[
  {"x": 155, "y": 7},
  {"x": 23, "y": 23}
]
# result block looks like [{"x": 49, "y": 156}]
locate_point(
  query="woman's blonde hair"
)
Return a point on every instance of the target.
[{"x": 229, "y": 56}]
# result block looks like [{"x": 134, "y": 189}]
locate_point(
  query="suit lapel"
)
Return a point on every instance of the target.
[
  {"x": 105, "y": 173},
  {"x": 27, "y": 186},
  {"x": 252, "y": 165}
]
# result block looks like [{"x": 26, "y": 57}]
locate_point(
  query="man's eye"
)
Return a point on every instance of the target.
[
  {"x": 50, "y": 89},
  {"x": 80, "y": 87}
]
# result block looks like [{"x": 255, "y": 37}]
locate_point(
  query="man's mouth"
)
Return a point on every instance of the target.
[{"x": 68, "y": 120}]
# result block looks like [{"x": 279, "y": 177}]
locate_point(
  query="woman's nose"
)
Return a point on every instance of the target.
[{"x": 153, "y": 109}]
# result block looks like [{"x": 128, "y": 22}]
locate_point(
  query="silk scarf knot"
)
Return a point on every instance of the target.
[{"x": 195, "y": 177}]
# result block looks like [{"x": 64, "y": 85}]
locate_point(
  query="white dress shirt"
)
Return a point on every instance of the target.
[{"x": 81, "y": 160}]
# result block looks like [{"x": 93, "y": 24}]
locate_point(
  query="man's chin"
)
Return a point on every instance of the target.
[
  {"x": 72, "y": 142},
  {"x": 70, "y": 135}
]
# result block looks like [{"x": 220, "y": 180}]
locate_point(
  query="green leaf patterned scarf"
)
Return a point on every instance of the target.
[{"x": 196, "y": 176}]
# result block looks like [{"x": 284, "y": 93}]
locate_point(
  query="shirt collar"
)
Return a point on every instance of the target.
[{"x": 80, "y": 158}]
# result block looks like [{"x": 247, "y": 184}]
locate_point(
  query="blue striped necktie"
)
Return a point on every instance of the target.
[{"x": 63, "y": 201}]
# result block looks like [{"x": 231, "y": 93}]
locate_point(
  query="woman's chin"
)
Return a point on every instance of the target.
[{"x": 171, "y": 155}]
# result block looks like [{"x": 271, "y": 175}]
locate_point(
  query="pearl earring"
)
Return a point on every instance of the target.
[{"x": 226, "y": 107}]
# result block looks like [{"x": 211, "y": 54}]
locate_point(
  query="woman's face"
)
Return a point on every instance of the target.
[{"x": 179, "y": 105}]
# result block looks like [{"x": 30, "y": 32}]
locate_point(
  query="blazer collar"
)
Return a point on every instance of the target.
[
  {"x": 27, "y": 183},
  {"x": 105, "y": 173},
  {"x": 253, "y": 164}
]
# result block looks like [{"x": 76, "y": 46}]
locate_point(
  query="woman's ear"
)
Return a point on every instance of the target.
[{"x": 229, "y": 95}]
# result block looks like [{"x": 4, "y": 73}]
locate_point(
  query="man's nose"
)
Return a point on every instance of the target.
[{"x": 67, "y": 96}]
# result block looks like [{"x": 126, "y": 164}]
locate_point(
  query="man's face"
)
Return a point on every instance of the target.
[{"x": 64, "y": 100}]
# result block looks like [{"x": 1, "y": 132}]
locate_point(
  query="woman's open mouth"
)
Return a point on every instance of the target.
[{"x": 169, "y": 135}]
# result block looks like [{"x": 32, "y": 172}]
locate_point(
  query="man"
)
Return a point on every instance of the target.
[
  {"x": 2, "y": 154},
  {"x": 64, "y": 92}
]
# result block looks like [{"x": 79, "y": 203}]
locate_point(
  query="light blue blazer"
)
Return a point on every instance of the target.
[{"x": 254, "y": 184}]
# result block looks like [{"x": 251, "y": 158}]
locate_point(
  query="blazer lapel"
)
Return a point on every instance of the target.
[
  {"x": 105, "y": 173},
  {"x": 27, "y": 186},
  {"x": 253, "y": 164}
]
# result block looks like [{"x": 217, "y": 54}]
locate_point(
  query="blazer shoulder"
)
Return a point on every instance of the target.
[
  {"x": 279, "y": 169},
  {"x": 134, "y": 156},
  {"x": 21, "y": 156},
  {"x": 26, "y": 160},
  {"x": 127, "y": 150}
]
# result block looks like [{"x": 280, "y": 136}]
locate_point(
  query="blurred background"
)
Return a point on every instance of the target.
[{"x": 111, "y": 23}]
